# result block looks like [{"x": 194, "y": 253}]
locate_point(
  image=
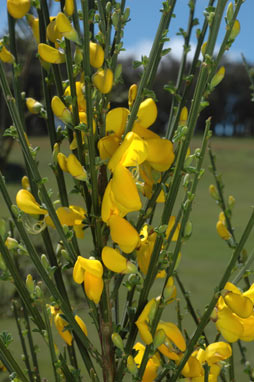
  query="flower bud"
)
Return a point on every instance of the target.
[
  {"x": 30, "y": 283},
  {"x": 218, "y": 77},
  {"x": 11, "y": 243},
  {"x": 34, "y": 25},
  {"x": 203, "y": 48},
  {"x": 213, "y": 192},
  {"x": 131, "y": 365},
  {"x": 159, "y": 338},
  {"x": 235, "y": 30},
  {"x": 230, "y": 12},
  {"x": 183, "y": 116},
  {"x": 2, "y": 228},
  {"x": 223, "y": 231},
  {"x": 33, "y": 106},
  {"x": 188, "y": 229},
  {"x": 231, "y": 201},
  {"x": 78, "y": 55},
  {"x": 117, "y": 341},
  {"x": 25, "y": 183},
  {"x": 132, "y": 94},
  {"x": 69, "y": 7}
]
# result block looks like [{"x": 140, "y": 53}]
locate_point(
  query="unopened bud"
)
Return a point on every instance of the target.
[
  {"x": 183, "y": 116},
  {"x": 235, "y": 30},
  {"x": 159, "y": 338},
  {"x": 230, "y": 12},
  {"x": 11, "y": 243},
  {"x": 231, "y": 201},
  {"x": 2, "y": 263},
  {"x": 78, "y": 56},
  {"x": 38, "y": 291},
  {"x": 132, "y": 94},
  {"x": 45, "y": 262},
  {"x": 30, "y": 283},
  {"x": 188, "y": 229},
  {"x": 213, "y": 192},
  {"x": 55, "y": 152},
  {"x": 131, "y": 365},
  {"x": 223, "y": 231},
  {"x": 218, "y": 77},
  {"x": 130, "y": 268},
  {"x": 25, "y": 183},
  {"x": 33, "y": 106},
  {"x": 170, "y": 289},
  {"x": 117, "y": 341},
  {"x": 203, "y": 48}
]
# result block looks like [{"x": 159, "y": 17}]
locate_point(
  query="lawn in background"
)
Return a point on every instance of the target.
[{"x": 204, "y": 255}]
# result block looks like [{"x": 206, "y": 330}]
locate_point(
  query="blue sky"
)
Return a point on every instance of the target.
[{"x": 145, "y": 17}]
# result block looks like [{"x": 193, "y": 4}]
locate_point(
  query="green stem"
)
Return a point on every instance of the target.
[
  {"x": 205, "y": 317},
  {"x": 22, "y": 340},
  {"x": 155, "y": 51},
  {"x": 6, "y": 354},
  {"x": 232, "y": 369}
]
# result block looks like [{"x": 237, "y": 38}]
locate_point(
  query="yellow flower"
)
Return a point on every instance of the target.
[
  {"x": 34, "y": 25},
  {"x": 124, "y": 190},
  {"x": 33, "y": 106},
  {"x": 90, "y": 272},
  {"x": 96, "y": 55},
  {"x": 170, "y": 290},
  {"x": 27, "y": 203},
  {"x": 132, "y": 94},
  {"x": 160, "y": 153},
  {"x": 152, "y": 365},
  {"x": 60, "y": 110},
  {"x": 174, "y": 344},
  {"x": 248, "y": 329},
  {"x": 108, "y": 206},
  {"x": 107, "y": 146},
  {"x": 222, "y": 230},
  {"x": 75, "y": 168},
  {"x": 80, "y": 95},
  {"x": 193, "y": 369},
  {"x": 69, "y": 7},
  {"x": 62, "y": 161},
  {"x": 132, "y": 152},
  {"x": 145, "y": 249},
  {"x": 49, "y": 54},
  {"x": 217, "y": 351},
  {"x": 53, "y": 33},
  {"x": 61, "y": 324},
  {"x": 144, "y": 320},
  {"x": 65, "y": 28},
  {"x": 171, "y": 223},
  {"x": 237, "y": 302},
  {"x": 114, "y": 261},
  {"x": 18, "y": 8},
  {"x": 183, "y": 116},
  {"x": 116, "y": 120},
  {"x": 123, "y": 233},
  {"x": 103, "y": 80},
  {"x": 5, "y": 54},
  {"x": 81, "y": 323},
  {"x": 229, "y": 325},
  {"x": 147, "y": 113}
]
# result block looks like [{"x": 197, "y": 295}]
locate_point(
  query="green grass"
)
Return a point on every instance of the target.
[{"x": 204, "y": 255}]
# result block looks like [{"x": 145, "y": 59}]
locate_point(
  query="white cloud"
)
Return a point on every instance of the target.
[{"x": 143, "y": 47}]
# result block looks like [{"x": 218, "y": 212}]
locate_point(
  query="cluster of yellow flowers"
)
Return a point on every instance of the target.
[
  {"x": 170, "y": 342},
  {"x": 233, "y": 314}
]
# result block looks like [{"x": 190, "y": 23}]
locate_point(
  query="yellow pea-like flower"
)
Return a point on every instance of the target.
[
  {"x": 173, "y": 335},
  {"x": 222, "y": 230},
  {"x": 60, "y": 324},
  {"x": 132, "y": 152},
  {"x": 248, "y": 329},
  {"x": 34, "y": 25},
  {"x": 27, "y": 203},
  {"x": 108, "y": 207},
  {"x": 49, "y": 54},
  {"x": 123, "y": 233},
  {"x": 171, "y": 224},
  {"x": 53, "y": 33},
  {"x": 93, "y": 287},
  {"x": 193, "y": 369},
  {"x": 132, "y": 94},
  {"x": 92, "y": 266},
  {"x": 145, "y": 319},
  {"x": 229, "y": 325},
  {"x": 69, "y": 7},
  {"x": 5, "y": 54},
  {"x": 33, "y": 106},
  {"x": 183, "y": 116},
  {"x": 81, "y": 323},
  {"x": 239, "y": 304},
  {"x": 65, "y": 28},
  {"x": 124, "y": 189},
  {"x": 107, "y": 146},
  {"x": 78, "y": 273},
  {"x": 103, "y": 80},
  {"x": 116, "y": 120},
  {"x": 62, "y": 161},
  {"x": 147, "y": 113},
  {"x": 75, "y": 168},
  {"x": 96, "y": 55},
  {"x": 18, "y": 8},
  {"x": 217, "y": 351},
  {"x": 152, "y": 365},
  {"x": 114, "y": 261},
  {"x": 160, "y": 154},
  {"x": 60, "y": 110},
  {"x": 80, "y": 95}
]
